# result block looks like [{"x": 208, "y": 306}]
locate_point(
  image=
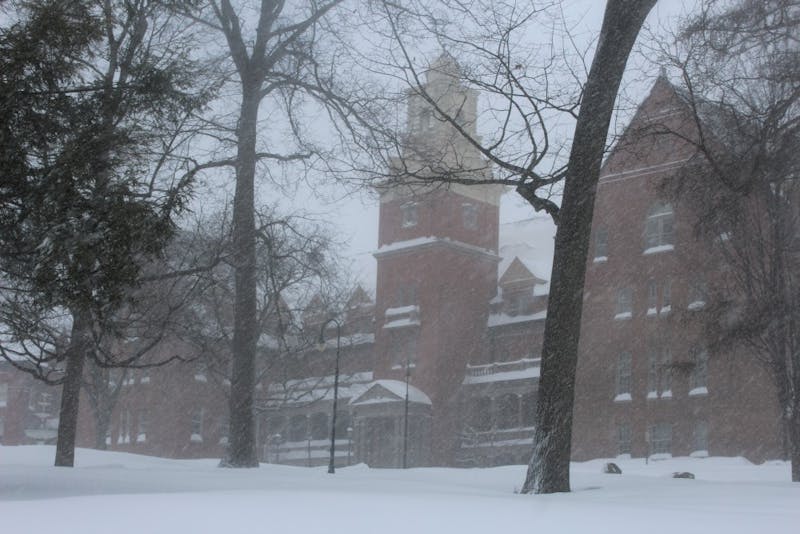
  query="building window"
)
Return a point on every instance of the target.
[
  {"x": 125, "y": 424},
  {"x": 652, "y": 296},
  {"x": 659, "y": 372},
  {"x": 517, "y": 303},
  {"x": 409, "y": 214},
  {"x": 404, "y": 349},
  {"x": 319, "y": 426},
  {"x": 143, "y": 423},
  {"x": 698, "y": 294},
  {"x": 3, "y": 395},
  {"x": 480, "y": 417},
  {"x": 666, "y": 296},
  {"x": 699, "y": 378},
  {"x": 342, "y": 424},
  {"x": 652, "y": 373},
  {"x": 624, "y": 308},
  {"x": 298, "y": 428},
  {"x": 201, "y": 372},
  {"x": 276, "y": 424},
  {"x": 469, "y": 215},
  {"x": 2, "y": 426},
  {"x": 666, "y": 373},
  {"x": 623, "y": 377},
  {"x": 661, "y": 438},
  {"x": 700, "y": 439},
  {"x": 507, "y": 411},
  {"x": 658, "y": 233},
  {"x": 405, "y": 296},
  {"x": 196, "y": 426},
  {"x": 623, "y": 439},
  {"x": 601, "y": 244}
]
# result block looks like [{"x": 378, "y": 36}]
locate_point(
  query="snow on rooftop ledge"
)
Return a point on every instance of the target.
[
  {"x": 500, "y": 319},
  {"x": 600, "y": 259},
  {"x": 658, "y": 249},
  {"x": 696, "y": 305},
  {"x": 402, "y": 310},
  {"x": 698, "y": 391},
  {"x": 623, "y": 315},
  {"x": 623, "y": 397},
  {"x": 400, "y": 323},
  {"x": 428, "y": 240}
]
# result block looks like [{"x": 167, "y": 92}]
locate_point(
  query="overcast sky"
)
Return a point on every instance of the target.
[{"x": 353, "y": 217}]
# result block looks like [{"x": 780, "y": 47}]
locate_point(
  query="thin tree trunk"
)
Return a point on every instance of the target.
[
  {"x": 102, "y": 422},
  {"x": 548, "y": 471},
  {"x": 242, "y": 450},
  {"x": 70, "y": 392}
]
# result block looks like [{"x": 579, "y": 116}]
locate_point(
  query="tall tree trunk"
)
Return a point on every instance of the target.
[
  {"x": 71, "y": 390},
  {"x": 548, "y": 471},
  {"x": 242, "y": 450}
]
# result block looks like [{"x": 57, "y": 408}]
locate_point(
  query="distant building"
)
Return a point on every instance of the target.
[{"x": 28, "y": 408}]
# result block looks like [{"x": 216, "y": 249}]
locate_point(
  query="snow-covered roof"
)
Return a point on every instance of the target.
[
  {"x": 532, "y": 242},
  {"x": 396, "y": 392}
]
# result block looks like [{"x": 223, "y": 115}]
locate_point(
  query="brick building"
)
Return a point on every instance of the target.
[
  {"x": 647, "y": 383},
  {"x": 441, "y": 368}
]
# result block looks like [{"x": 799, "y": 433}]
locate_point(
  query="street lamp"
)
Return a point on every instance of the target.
[{"x": 321, "y": 347}]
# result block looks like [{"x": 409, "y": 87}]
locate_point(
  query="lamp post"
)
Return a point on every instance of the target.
[{"x": 321, "y": 347}]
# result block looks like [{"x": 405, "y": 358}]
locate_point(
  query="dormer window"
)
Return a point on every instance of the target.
[{"x": 409, "y": 214}]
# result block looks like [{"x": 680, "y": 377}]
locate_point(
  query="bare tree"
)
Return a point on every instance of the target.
[
  {"x": 275, "y": 65},
  {"x": 531, "y": 92},
  {"x": 740, "y": 64}
]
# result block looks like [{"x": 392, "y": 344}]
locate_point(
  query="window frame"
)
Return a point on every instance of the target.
[
  {"x": 624, "y": 381},
  {"x": 659, "y": 228},
  {"x": 409, "y": 214}
]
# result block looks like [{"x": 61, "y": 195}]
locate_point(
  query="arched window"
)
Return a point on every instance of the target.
[{"x": 659, "y": 226}]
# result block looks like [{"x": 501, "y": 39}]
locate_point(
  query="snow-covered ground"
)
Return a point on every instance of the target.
[{"x": 116, "y": 493}]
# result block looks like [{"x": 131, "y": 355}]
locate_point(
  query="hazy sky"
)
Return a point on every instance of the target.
[{"x": 353, "y": 217}]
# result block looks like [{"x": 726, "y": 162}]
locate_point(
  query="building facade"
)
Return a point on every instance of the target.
[{"x": 442, "y": 366}]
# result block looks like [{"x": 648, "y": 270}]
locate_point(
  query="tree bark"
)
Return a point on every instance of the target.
[
  {"x": 242, "y": 450},
  {"x": 548, "y": 471},
  {"x": 71, "y": 390}
]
